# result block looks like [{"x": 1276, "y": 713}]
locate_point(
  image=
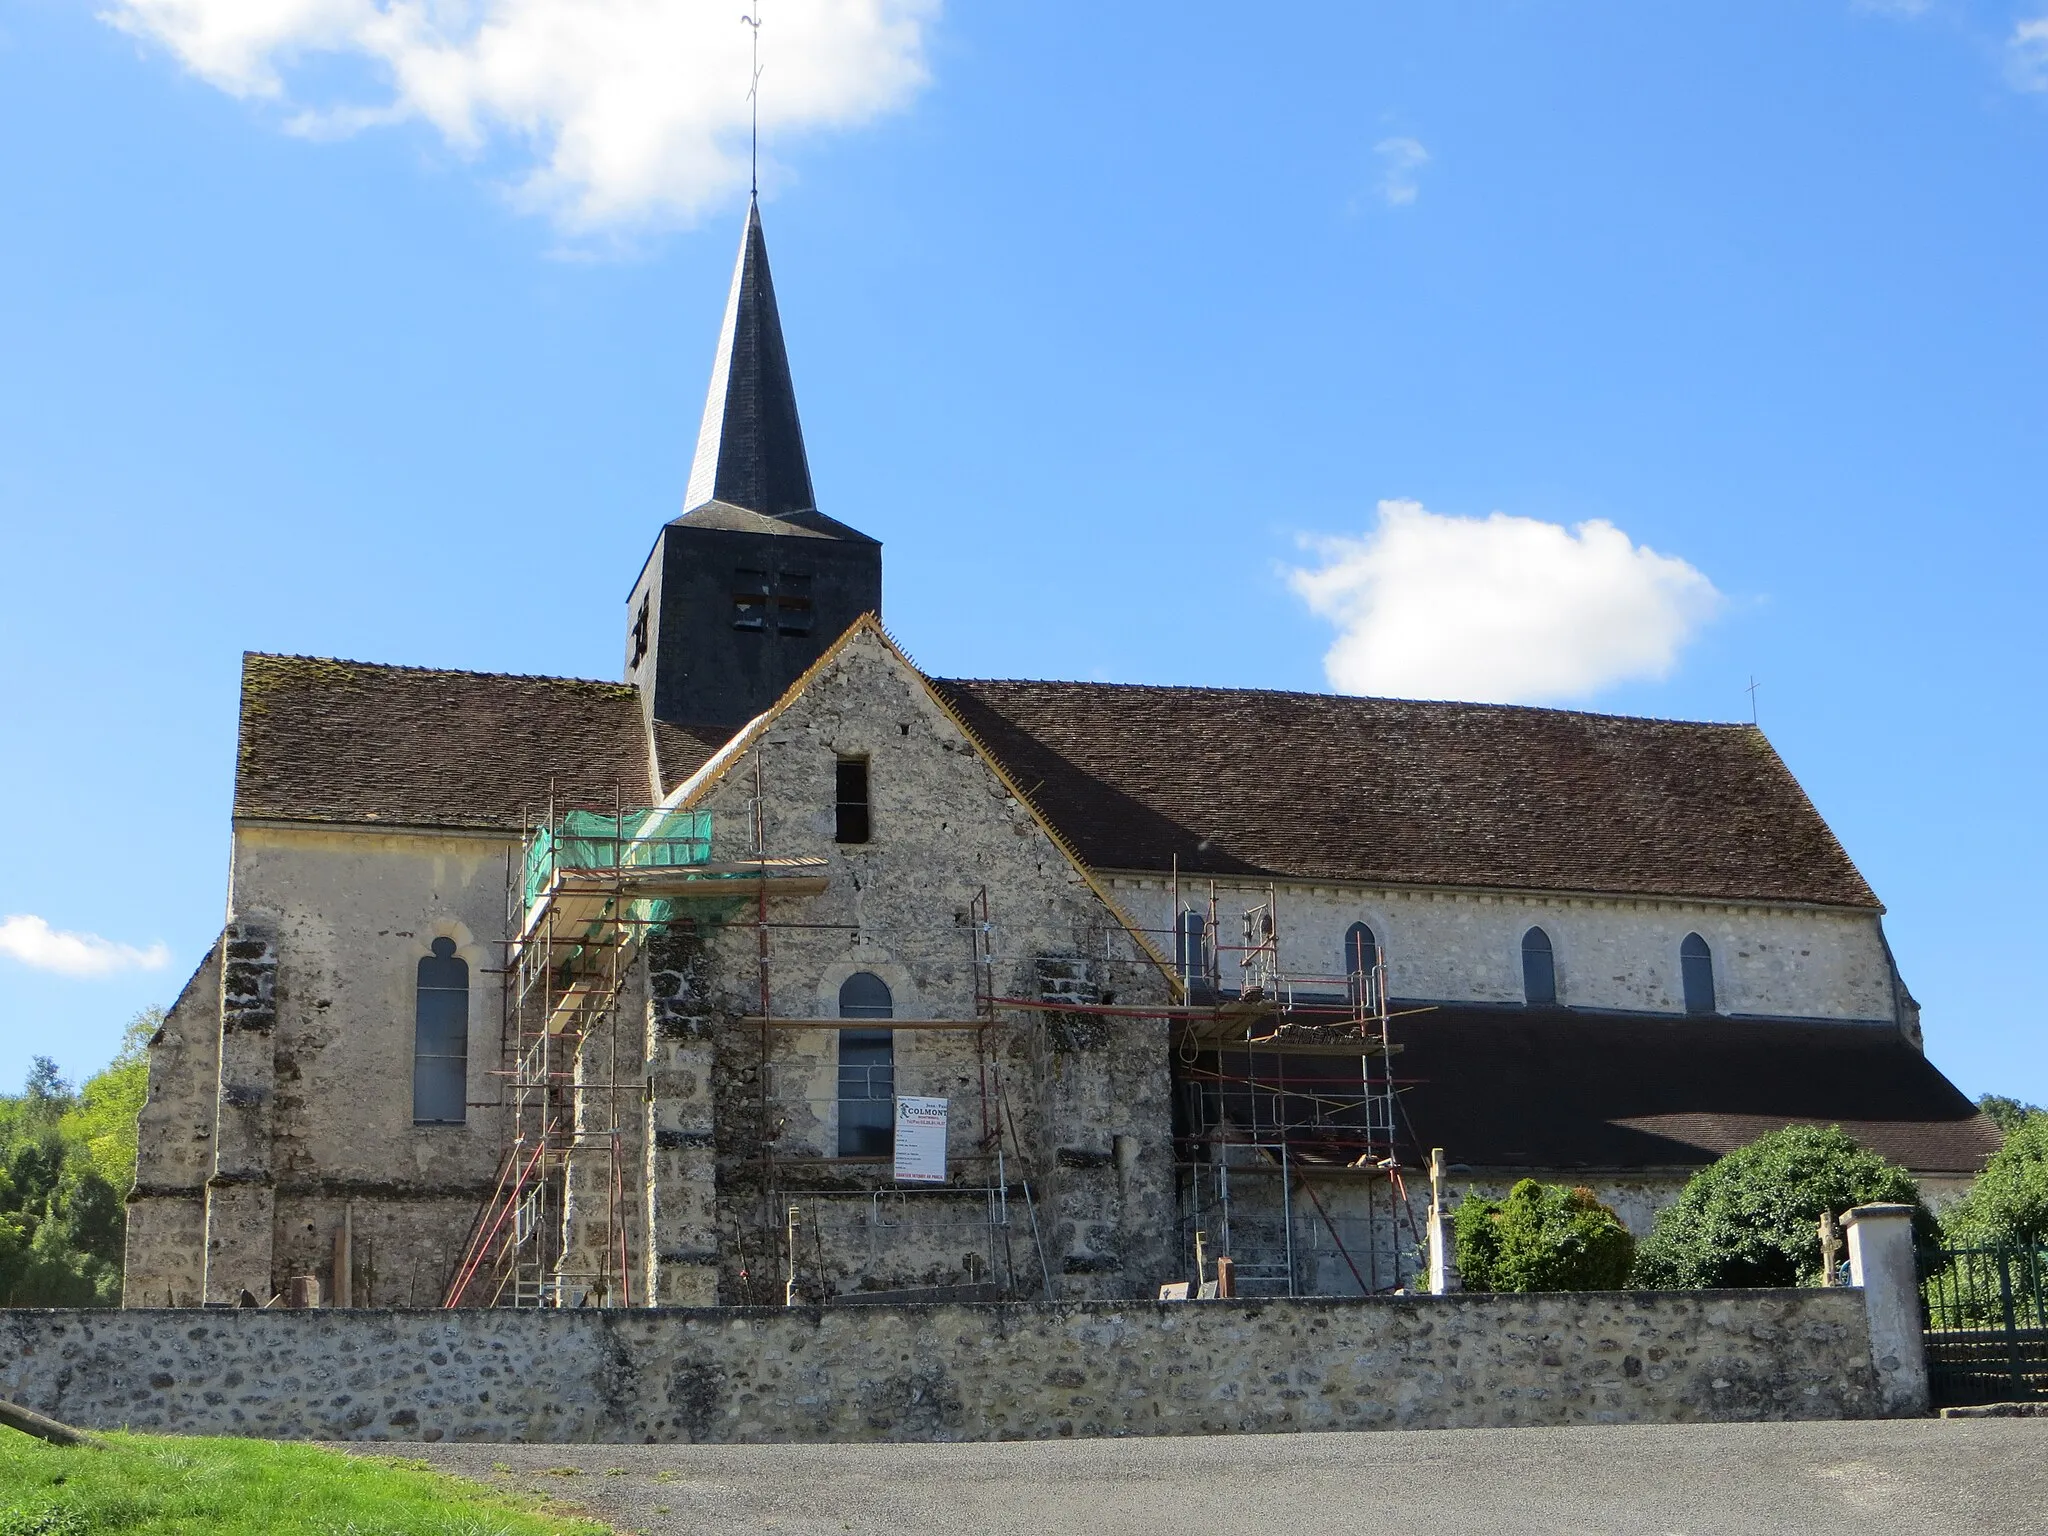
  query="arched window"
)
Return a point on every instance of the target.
[
  {"x": 1191, "y": 951},
  {"x": 1696, "y": 969},
  {"x": 1539, "y": 970},
  {"x": 864, "y": 995},
  {"x": 1361, "y": 959},
  {"x": 440, "y": 1038},
  {"x": 867, "y": 1070}
]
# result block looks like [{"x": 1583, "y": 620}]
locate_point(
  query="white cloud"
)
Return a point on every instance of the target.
[
  {"x": 623, "y": 111},
  {"x": 2027, "y": 54},
  {"x": 36, "y": 944},
  {"x": 1499, "y": 609},
  {"x": 1401, "y": 161}
]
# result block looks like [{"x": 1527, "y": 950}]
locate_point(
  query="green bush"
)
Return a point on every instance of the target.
[
  {"x": 2009, "y": 1201},
  {"x": 1543, "y": 1237},
  {"x": 1753, "y": 1217}
]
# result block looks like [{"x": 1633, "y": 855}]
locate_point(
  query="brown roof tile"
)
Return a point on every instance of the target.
[
  {"x": 1319, "y": 786},
  {"x": 683, "y": 749},
  {"x": 348, "y": 741}
]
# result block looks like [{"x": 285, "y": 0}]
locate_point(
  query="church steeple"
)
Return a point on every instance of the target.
[
  {"x": 750, "y": 448},
  {"x": 750, "y": 585}
]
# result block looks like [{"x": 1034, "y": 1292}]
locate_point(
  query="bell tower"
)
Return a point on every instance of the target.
[{"x": 750, "y": 585}]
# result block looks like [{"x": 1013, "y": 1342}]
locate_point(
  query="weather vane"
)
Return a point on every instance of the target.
[{"x": 753, "y": 20}]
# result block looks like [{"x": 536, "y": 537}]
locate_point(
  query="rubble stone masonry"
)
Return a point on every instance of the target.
[{"x": 950, "y": 1372}]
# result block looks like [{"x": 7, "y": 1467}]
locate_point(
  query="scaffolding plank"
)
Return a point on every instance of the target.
[{"x": 780, "y": 1023}]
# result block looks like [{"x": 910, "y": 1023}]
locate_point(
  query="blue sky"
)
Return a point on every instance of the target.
[{"x": 1108, "y": 320}]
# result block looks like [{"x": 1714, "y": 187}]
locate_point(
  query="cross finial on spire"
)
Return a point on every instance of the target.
[{"x": 753, "y": 21}]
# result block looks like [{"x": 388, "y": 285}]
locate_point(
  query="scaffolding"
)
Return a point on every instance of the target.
[
  {"x": 783, "y": 1224},
  {"x": 1284, "y": 1081},
  {"x": 582, "y": 896}
]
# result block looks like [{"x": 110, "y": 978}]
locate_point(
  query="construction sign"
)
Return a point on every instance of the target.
[{"x": 920, "y": 1140}]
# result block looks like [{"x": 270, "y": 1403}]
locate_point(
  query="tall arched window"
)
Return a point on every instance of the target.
[
  {"x": 1696, "y": 969},
  {"x": 1361, "y": 958},
  {"x": 867, "y": 1069},
  {"x": 440, "y": 1038},
  {"x": 1539, "y": 969}
]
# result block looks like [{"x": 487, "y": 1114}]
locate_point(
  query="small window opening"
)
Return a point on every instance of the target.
[
  {"x": 1696, "y": 969},
  {"x": 640, "y": 631},
  {"x": 851, "y": 801},
  {"x": 1539, "y": 969},
  {"x": 749, "y": 599},
  {"x": 792, "y": 604},
  {"x": 440, "y": 1051},
  {"x": 867, "y": 1070}
]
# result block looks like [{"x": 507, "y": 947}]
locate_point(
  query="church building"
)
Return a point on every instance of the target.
[{"x": 781, "y": 972}]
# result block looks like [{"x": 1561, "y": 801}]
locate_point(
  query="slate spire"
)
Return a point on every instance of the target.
[{"x": 750, "y": 449}]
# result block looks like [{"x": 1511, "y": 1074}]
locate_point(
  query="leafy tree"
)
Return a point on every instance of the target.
[
  {"x": 46, "y": 1084},
  {"x": 2009, "y": 1201},
  {"x": 67, "y": 1161},
  {"x": 2006, "y": 1113},
  {"x": 1753, "y": 1217},
  {"x": 1543, "y": 1237},
  {"x": 101, "y": 1124},
  {"x": 33, "y": 1168}
]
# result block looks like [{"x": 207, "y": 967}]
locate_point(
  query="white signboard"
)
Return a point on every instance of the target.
[{"x": 920, "y": 1141}]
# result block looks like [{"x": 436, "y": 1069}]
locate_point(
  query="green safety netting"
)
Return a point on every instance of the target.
[{"x": 645, "y": 838}]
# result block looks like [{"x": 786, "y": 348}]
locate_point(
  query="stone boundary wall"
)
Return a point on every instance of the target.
[{"x": 950, "y": 1372}]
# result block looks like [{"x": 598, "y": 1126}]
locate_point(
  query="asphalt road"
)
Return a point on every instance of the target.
[{"x": 1982, "y": 1477}]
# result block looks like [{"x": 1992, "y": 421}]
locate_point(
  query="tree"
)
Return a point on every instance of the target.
[
  {"x": 1753, "y": 1217},
  {"x": 67, "y": 1159},
  {"x": 1543, "y": 1237},
  {"x": 2009, "y": 1201},
  {"x": 46, "y": 1085},
  {"x": 101, "y": 1125},
  {"x": 2006, "y": 1113}
]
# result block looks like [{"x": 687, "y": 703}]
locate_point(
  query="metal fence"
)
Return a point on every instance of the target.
[{"x": 1986, "y": 1314}]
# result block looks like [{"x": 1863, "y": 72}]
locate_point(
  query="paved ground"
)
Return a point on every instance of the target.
[{"x": 1981, "y": 1477}]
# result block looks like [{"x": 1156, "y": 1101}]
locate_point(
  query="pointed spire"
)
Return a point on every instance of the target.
[{"x": 750, "y": 449}]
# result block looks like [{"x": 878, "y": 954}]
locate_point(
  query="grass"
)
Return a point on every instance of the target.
[{"x": 152, "y": 1485}]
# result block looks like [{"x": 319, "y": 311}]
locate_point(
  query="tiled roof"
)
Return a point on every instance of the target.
[
  {"x": 1536, "y": 1089},
  {"x": 1317, "y": 786},
  {"x": 683, "y": 749},
  {"x": 1232, "y": 781},
  {"x": 347, "y": 741}
]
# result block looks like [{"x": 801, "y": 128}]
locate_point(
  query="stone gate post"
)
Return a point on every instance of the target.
[{"x": 1881, "y": 1262}]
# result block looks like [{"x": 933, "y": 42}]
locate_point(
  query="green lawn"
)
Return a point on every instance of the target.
[{"x": 155, "y": 1485}]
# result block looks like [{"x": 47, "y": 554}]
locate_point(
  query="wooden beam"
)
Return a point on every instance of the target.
[
  {"x": 29, "y": 1422},
  {"x": 756, "y": 1020}
]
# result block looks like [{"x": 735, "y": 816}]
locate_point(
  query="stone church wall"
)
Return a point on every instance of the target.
[
  {"x": 1610, "y": 952},
  {"x": 1085, "y": 1119},
  {"x": 261, "y": 1140},
  {"x": 317, "y": 1119},
  {"x": 166, "y": 1245},
  {"x": 951, "y": 1372}
]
